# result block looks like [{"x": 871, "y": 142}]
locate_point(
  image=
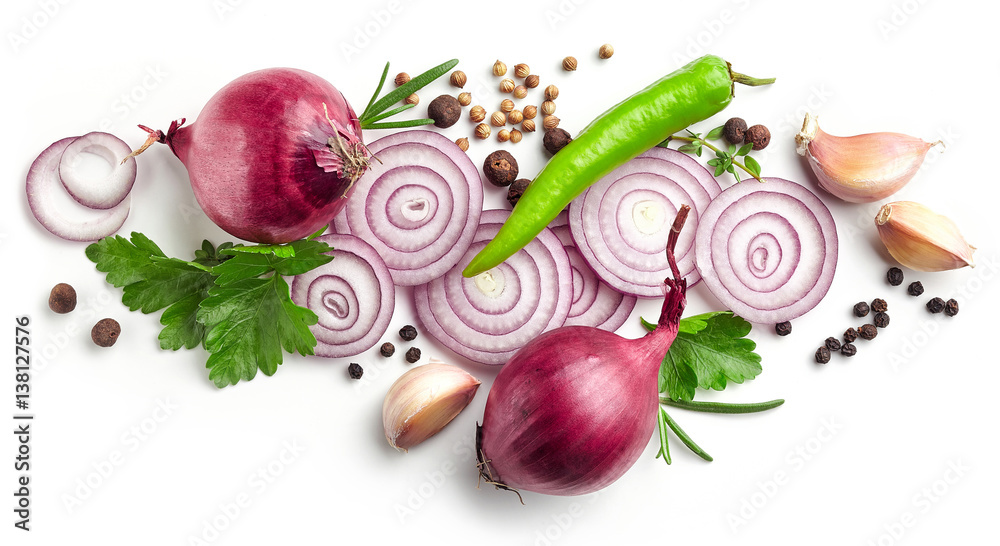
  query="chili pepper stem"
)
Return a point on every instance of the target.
[
  {"x": 749, "y": 80},
  {"x": 716, "y": 150}
]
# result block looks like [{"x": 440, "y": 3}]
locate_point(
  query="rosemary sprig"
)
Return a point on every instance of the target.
[{"x": 376, "y": 109}]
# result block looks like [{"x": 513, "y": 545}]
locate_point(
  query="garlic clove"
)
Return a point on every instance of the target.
[
  {"x": 423, "y": 400},
  {"x": 921, "y": 239},
  {"x": 860, "y": 168}
]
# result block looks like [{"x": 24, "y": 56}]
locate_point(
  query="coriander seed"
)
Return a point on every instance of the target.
[
  {"x": 507, "y": 85},
  {"x": 783, "y": 328},
  {"x": 412, "y": 99},
  {"x": 463, "y": 143},
  {"x": 482, "y": 131},
  {"x": 516, "y": 190},
  {"x": 105, "y": 333},
  {"x": 520, "y": 92},
  {"x": 894, "y": 276},
  {"x": 408, "y": 332},
  {"x": 550, "y": 122},
  {"x": 548, "y": 108},
  {"x": 498, "y": 119},
  {"x": 500, "y": 168},
  {"x": 506, "y": 105},
  {"x": 515, "y": 136},
  {"x": 848, "y": 349},
  {"x": 861, "y": 309},
  {"x": 521, "y": 70},
  {"x": 822, "y": 355},
  {"x": 569, "y": 64},
  {"x": 879, "y": 305},
  {"x": 515, "y": 116},
  {"x": 387, "y": 349},
  {"x": 915, "y": 289},
  {"x": 402, "y": 78},
  {"x": 412, "y": 355},
  {"x": 551, "y": 92},
  {"x": 528, "y": 126},
  {"x": 458, "y": 79},
  {"x": 477, "y": 113},
  {"x": 832, "y": 343},
  {"x": 355, "y": 370},
  {"x": 881, "y": 319},
  {"x": 499, "y": 69},
  {"x": 951, "y": 307},
  {"x": 868, "y": 331},
  {"x": 606, "y": 51},
  {"x": 530, "y": 112},
  {"x": 62, "y": 298},
  {"x": 531, "y": 81},
  {"x": 503, "y": 135},
  {"x": 465, "y": 98}
]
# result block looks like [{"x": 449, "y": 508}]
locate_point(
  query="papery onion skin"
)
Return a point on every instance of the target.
[{"x": 260, "y": 156}]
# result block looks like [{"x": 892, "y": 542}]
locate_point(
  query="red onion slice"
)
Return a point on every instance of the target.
[
  {"x": 104, "y": 192},
  {"x": 487, "y": 318},
  {"x": 594, "y": 302},
  {"x": 620, "y": 224},
  {"x": 57, "y": 212},
  {"x": 353, "y": 296},
  {"x": 767, "y": 251},
  {"x": 418, "y": 205}
]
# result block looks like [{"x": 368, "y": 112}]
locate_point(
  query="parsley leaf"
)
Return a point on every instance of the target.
[{"x": 121, "y": 259}]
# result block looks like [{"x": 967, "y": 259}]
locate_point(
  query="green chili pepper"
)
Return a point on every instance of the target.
[{"x": 697, "y": 91}]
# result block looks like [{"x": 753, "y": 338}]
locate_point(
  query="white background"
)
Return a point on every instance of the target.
[{"x": 866, "y": 447}]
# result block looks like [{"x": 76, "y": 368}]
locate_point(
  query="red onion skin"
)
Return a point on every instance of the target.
[
  {"x": 251, "y": 154},
  {"x": 573, "y": 410}
]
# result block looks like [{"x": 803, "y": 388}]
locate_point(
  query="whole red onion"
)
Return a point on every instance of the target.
[
  {"x": 272, "y": 156},
  {"x": 573, "y": 409}
]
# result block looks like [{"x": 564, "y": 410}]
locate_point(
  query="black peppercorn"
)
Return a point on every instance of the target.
[
  {"x": 879, "y": 305},
  {"x": 408, "y": 333},
  {"x": 895, "y": 276},
  {"x": 759, "y": 136},
  {"x": 734, "y": 130},
  {"x": 387, "y": 349},
  {"x": 516, "y": 190},
  {"x": 850, "y": 335},
  {"x": 445, "y": 111},
  {"x": 783, "y": 328},
  {"x": 861, "y": 309},
  {"x": 412, "y": 355},
  {"x": 555, "y": 140},
  {"x": 868, "y": 331},
  {"x": 822, "y": 355},
  {"x": 881, "y": 319},
  {"x": 62, "y": 298},
  {"x": 500, "y": 168},
  {"x": 915, "y": 288},
  {"x": 355, "y": 370},
  {"x": 832, "y": 343},
  {"x": 936, "y": 305},
  {"x": 105, "y": 332},
  {"x": 951, "y": 308},
  {"x": 848, "y": 349}
]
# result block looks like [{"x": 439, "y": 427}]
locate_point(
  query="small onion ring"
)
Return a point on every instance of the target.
[
  {"x": 767, "y": 251},
  {"x": 352, "y": 295},
  {"x": 418, "y": 205},
  {"x": 487, "y": 318},
  {"x": 57, "y": 212},
  {"x": 594, "y": 302},
  {"x": 102, "y": 193},
  {"x": 620, "y": 224}
]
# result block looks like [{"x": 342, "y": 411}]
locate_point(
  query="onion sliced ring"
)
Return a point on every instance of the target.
[
  {"x": 418, "y": 205},
  {"x": 57, "y": 212},
  {"x": 101, "y": 193},
  {"x": 487, "y": 318},
  {"x": 767, "y": 251},
  {"x": 594, "y": 302},
  {"x": 621, "y": 223},
  {"x": 352, "y": 295}
]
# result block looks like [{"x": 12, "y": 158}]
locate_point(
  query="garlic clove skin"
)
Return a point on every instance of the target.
[
  {"x": 861, "y": 168},
  {"x": 423, "y": 400},
  {"x": 921, "y": 239}
]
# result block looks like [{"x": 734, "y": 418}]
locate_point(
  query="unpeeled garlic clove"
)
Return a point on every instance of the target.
[
  {"x": 921, "y": 239},
  {"x": 861, "y": 168},
  {"x": 423, "y": 400}
]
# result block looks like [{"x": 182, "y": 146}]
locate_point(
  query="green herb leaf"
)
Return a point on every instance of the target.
[
  {"x": 677, "y": 378},
  {"x": 388, "y": 114},
  {"x": 752, "y": 166},
  {"x": 661, "y": 427},
  {"x": 732, "y": 149},
  {"x": 715, "y": 134},
  {"x": 251, "y": 321},
  {"x": 399, "y": 124},
  {"x": 121, "y": 259},
  {"x": 719, "y": 169},
  {"x": 378, "y": 89},
  {"x": 745, "y": 149},
  {"x": 688, "y": 148},
  {"x": 685, "y": 438},
  {"x": 180, "y": 323},
  {"x": 404, "y": 91},
  {"x": 714, "y": 162},
  {"x": 164, "y": 283}
]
